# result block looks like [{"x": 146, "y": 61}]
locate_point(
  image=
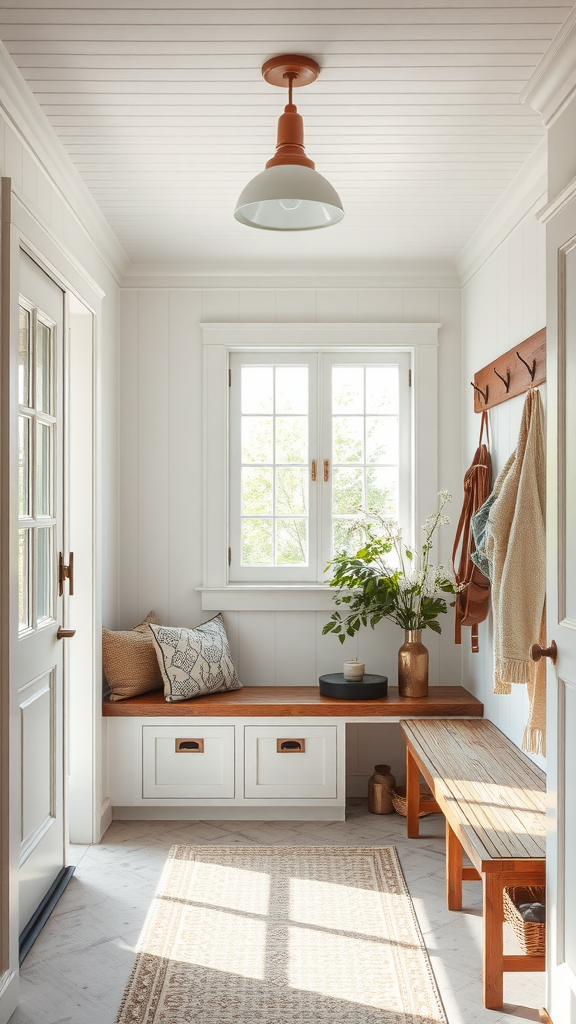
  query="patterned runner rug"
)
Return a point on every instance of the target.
[{"x": 281, "y": 935}]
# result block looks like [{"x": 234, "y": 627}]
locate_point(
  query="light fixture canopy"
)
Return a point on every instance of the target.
[{"x": 289, "y": 195}]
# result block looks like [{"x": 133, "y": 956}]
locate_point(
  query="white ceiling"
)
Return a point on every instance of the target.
[{"x": 415, "y": 118}]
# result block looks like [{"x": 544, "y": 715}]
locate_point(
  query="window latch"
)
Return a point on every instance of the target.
[
  {"x": 326, "y": 470},
  {"x": 314, "y": 471}
]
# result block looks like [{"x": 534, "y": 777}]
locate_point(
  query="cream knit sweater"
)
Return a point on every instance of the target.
[{"x": 516, "y": 549}]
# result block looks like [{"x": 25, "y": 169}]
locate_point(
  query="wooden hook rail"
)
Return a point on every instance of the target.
[{"x": 518, "y": 370}]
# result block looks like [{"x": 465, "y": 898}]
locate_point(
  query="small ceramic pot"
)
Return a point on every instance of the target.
[{"x": 353, "y": 670}]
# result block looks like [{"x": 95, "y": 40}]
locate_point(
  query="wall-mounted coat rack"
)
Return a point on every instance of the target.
[{"x": 518, "y": 370}]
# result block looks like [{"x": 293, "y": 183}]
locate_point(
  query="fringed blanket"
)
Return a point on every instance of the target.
[{"x": 516, "y": 548}]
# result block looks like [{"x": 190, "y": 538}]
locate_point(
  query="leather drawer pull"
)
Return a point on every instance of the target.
[
  {"x": 189, "y": 746},
  {"x": 290, "y": 746}
]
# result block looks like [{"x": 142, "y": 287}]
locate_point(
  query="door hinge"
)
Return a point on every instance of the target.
[
  {"x": 66, "y": 572},
  {"x": 229, "y": 556},
  {"x": 409, "y": 378},
  {"x": 229, "y": 376}
]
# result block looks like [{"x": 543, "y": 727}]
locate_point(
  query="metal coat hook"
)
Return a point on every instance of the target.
[
  {"x": 483, "y": 394},
  {"x": 506, "y": 382},
  {"x": 531, "y": 369}
]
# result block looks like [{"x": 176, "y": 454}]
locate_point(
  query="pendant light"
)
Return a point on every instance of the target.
[{"x": 290, "y": 195}]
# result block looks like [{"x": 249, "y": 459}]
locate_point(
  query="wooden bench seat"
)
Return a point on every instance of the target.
[
  {"x": 292, "y": 701},
  {"x": 493, "y": 799}
]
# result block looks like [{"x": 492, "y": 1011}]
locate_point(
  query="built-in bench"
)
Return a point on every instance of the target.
[
  {"x": 290, "y": 701},
  {"x": 493, "y": 799},
  {"x": 222, "y": 755}
]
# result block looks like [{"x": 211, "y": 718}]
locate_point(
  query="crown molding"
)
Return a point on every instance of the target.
[
  {"x": 21, "y": 110},
  {"x": 553, "y": 83},
  {"x": 302, "y": 277},
  {"x": 527, "y": 192}
]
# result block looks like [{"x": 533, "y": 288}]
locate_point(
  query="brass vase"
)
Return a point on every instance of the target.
[{"x": 413, "y": 665}]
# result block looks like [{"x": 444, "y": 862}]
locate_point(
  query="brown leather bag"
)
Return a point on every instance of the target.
[{"x": 473, "y": 601}]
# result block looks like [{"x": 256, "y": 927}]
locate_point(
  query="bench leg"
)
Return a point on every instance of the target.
[
  {"x": 493, "y": 954},
  {"x": 412, "y": 797},
  {"x": 453, "y": 870}
]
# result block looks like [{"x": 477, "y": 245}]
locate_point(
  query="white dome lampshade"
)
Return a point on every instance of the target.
[{"x": 290, "y": 195}]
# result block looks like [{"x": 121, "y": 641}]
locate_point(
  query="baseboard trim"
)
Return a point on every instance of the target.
[
  {"x": 203, "y": 813},
  {"x": 31, "y": 931}
]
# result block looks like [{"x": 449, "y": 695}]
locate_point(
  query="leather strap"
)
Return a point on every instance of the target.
[{"x": 484, "y": 426}]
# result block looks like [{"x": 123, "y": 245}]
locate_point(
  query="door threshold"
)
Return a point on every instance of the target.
[{"x": 31, "y": 931}]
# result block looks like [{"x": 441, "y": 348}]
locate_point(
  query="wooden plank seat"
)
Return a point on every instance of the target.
[
  {"x": 292, "y": 701},
  {"x": 493, "y": 799}
]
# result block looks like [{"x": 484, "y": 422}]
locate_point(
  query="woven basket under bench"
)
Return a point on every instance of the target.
[{"x": 530, "y": 934}]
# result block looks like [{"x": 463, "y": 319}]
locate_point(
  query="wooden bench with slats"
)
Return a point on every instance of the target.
[{"x": 493, "y": 799}]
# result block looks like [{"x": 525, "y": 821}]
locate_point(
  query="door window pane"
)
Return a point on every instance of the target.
[
  {"x": 24, "y": 466},
  {"x": 43, "y": 470},
  {"x": 44, "y": 574},
  {"x": 23, "y": 580},
  {"x": 24, "y": 357},
  {"x": 43, "y": 367}
]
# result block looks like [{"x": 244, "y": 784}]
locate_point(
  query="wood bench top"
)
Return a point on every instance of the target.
[
  {"x": 492, "y": 795},
  {"x": 291, "y": 701}
]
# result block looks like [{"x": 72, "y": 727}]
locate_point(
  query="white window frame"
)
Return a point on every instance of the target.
[{"x": 219, "y": 341}]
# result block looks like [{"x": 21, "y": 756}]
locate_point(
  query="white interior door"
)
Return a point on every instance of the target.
[
  {"x": 561, "y": 692},
  {"x": 37, "y": 666}
]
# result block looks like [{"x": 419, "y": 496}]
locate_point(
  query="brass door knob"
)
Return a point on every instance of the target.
[
  {"x": 537, "y": 652},
  {"x": 63, "y": 633}
]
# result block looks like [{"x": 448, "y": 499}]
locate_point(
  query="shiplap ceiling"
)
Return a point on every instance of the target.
[{"x": 415, "y": 118}]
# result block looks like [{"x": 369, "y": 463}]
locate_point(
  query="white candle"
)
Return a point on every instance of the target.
[{"x": 353, "y": 669}]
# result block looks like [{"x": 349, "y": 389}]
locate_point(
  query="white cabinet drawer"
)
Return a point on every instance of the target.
[
  {"x": 187, "y": 761},
  {"x": 289, "y": 761}
]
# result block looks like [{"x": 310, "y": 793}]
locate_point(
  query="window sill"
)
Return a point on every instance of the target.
[{"x": 272, "y": 597}]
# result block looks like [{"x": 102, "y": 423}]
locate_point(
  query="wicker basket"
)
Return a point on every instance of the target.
[
  {"x": 531, "y": 935},
  {"x": 398, "y": 797}
]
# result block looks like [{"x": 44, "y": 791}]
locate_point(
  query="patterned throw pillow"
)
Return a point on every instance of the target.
[
  {"x": 129, "y": 660},
  {"x": 195, "y": 661}
]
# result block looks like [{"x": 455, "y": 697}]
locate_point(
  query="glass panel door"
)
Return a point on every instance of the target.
[{"x": 37, "y": 677}]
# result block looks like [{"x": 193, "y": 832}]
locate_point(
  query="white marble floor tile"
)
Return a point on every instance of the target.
[{"x": 79, "y": 965}]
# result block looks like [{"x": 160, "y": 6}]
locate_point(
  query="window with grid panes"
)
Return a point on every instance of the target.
[{"x": 314, "y": 438}]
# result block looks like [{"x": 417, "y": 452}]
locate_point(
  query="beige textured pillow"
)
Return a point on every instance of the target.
[{"x": 129, "y": 660}]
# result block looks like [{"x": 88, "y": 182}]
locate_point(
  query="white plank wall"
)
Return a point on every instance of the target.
[
  {"x": 503, "y": 303},
  {"x": 160, "y": 473}
]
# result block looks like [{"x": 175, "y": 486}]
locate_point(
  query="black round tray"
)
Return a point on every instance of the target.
[{"x": 370, "y": 686}]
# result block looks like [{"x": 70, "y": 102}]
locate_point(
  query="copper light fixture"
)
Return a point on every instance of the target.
[{"x": 290, "y": 195}]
